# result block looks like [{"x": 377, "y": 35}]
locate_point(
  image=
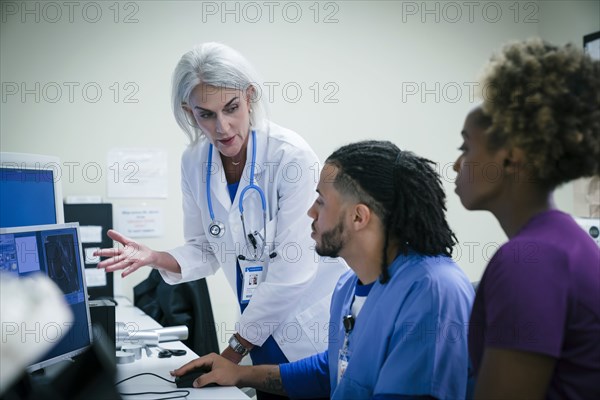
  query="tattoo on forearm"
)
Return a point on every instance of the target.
[{"x": 273, "y": 383}]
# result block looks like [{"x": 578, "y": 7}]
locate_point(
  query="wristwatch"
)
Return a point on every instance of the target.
[{"x": 239, "y": 348}]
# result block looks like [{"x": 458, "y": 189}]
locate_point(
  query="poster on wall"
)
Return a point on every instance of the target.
[
  {"x": 586, "y": 191},
  {"x": 139, "y": 222},
  {"x": 137, "y": 173}
]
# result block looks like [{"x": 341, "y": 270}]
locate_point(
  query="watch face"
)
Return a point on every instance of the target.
[{"x": 237, "y": 346}]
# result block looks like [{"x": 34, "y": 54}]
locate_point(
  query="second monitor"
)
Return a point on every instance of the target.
[{"x": 55, "y": 251}]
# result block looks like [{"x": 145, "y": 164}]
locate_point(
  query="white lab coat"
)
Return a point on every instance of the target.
[{"x": 292, "y": 303}]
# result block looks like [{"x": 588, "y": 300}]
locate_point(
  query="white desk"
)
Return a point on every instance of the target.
[{"x": 161, "y": 366}]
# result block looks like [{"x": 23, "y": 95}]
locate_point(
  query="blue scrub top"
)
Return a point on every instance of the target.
[{"x": 409, "y": 339}]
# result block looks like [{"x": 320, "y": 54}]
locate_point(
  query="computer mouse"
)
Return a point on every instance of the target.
[{"x": 187, "y": 380}]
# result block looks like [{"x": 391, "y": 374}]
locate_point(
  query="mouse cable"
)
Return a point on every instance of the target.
[
  {"x": 184, "y": 393},
  {"x": 141, "y": 374}
]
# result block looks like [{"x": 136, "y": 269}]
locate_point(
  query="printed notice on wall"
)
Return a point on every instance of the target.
[
  {"x": 90, "y": 234},
  {"x": 139, "y": 222},
  {"x": 137, "y": 172},
  {"x": 95, "y": 277}
]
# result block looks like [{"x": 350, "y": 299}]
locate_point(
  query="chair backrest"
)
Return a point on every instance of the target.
[{"x": 186, "y": 304}]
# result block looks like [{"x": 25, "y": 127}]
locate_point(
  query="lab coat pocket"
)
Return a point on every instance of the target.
[
  {"x": 314, "y": 322},
  {"x": 270, "y": 240},
  {"x": 271, "y": 233},
  {"x": 253, "y": 250}
]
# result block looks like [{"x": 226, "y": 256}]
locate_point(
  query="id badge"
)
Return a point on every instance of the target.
[
  {"x": 253, "y": 276},
  {"x": 343, "y": 359},
  {"x": 342, "y": 363}
]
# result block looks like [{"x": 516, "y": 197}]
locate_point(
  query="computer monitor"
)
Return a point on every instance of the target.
[
  {"x": 55, "y": 251},
  {"x": 30, "y": 190}
]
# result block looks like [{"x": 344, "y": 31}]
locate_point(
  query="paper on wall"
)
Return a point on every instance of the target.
[
  {"x": 90, "y": 258},
  {"x": 137, "y": 172},
  {"x": 95, "y": 277},
  {"x": 139, "y": 222},
  {"x": 90, "y": 234}
]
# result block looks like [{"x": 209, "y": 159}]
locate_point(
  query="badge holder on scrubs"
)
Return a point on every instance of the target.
[{"x": 344, "y": 356}]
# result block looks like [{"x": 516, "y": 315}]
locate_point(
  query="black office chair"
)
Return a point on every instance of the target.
[{"x": 186, "y": 303}]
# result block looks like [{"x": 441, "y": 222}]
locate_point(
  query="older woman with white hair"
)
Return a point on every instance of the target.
[{"x": 244, "y": 211}]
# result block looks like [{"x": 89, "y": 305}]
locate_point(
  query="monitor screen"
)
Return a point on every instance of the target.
[
  {"x": 55, "y": 251},
  {"x": 30, "y": 190}
]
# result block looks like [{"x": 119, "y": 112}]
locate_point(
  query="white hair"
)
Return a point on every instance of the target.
[{"x": 217, "y": 65}]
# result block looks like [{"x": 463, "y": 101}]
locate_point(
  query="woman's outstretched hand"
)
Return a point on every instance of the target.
[{"x": 128, "y": 258}]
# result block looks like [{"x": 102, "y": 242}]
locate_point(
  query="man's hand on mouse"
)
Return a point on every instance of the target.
[{"x": 222, "y": 371}]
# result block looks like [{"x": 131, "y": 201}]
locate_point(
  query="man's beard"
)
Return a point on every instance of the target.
[{"x": 332, "y": 241}]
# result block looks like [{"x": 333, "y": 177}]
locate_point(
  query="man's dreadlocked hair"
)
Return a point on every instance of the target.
[{"x": 402, "y": 189}]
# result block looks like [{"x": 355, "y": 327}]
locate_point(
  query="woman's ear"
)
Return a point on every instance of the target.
[
  {"x": 250, "y": 92},
  {"x": 514, "y": 160},
  {"x": 189, "y": 115}
]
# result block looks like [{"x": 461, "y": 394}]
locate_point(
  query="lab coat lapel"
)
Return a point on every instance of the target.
[
  {"x": 218, "y": 185},
  {"x": 262, "y": 139}
]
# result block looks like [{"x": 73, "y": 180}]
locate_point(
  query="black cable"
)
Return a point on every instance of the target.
[
  {"x": 143, "y": 373},
  {"x": 185, "y": 393}
]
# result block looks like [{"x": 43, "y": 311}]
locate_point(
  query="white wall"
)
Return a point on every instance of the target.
[{"x": 369, "y": 59}]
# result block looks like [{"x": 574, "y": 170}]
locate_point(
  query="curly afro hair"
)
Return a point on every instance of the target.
[{"x": 545, "y": 99}]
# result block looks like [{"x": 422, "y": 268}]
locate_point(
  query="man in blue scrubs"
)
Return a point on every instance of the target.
[{"x": 399, "y": 318}]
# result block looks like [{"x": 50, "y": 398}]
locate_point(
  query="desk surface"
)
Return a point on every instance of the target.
[{"x": 135, "y": 317}]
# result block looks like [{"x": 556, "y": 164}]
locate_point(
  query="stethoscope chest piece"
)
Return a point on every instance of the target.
[{"x": 216, "y": 229}]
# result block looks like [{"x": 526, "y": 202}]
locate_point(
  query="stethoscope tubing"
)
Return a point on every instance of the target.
[
  {"x": 220, "y": 227},
  {"x": 252, "y": 185}
]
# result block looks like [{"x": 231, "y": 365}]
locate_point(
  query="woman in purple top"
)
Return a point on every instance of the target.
[{"x": 535, "y": 325}]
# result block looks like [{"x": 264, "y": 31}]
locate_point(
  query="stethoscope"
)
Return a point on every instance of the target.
[{"x": 217, "y": 229}]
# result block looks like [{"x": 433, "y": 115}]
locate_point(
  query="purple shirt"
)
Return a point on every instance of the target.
[{"x": 540, "y": 293}]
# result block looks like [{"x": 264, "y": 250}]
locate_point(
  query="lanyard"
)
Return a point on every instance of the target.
[{"x": 344, "y": 355}]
